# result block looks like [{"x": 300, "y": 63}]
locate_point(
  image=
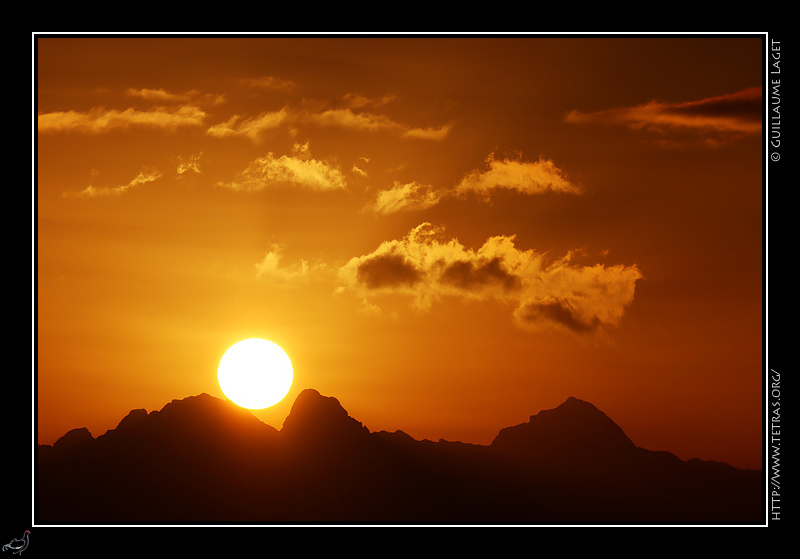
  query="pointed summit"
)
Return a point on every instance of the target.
[
  {"x": 575, "y": 428},
  {"x": 320, "y": 420}
]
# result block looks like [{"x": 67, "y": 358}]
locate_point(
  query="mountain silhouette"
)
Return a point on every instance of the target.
[
  {"x": 318, "y": 423},
  {"x": 203, "y": 459},
  {"x": 575, "y": 428}
]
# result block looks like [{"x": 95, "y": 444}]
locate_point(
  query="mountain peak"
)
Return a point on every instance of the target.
[
  {"x": 574, "y": 427},
  {"x": 74, "y": 438},
  {"x": 201, "y": 420},
  {"x": 573, "y": 405},
  {"x": 315, "y": 418}
]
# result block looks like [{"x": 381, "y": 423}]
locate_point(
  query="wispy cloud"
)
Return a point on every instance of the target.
[
  {"x": 354, "y": 112},
  {"x": 357, "y": 101},
  {"x": 163, "y": 96},
  {"x": 189, "y": 164},
  {"x": 545, "y": 294},
  {"x": 435, "y": 134},
  {"x": 371, "y": 122},
  {"x": 525, "y": 177},
  {"x": 100, "y": 120},
  {"x": 91, "y": 191},
  {"x": 158, "y": 95},
  {"x": 724, "y": 115},
  {"x": 299, "y": 170},
  {"x": 411, "y": 196},
  {"x": 251, "y": 128},
  {"x": 270, "y": 83},
  {"x": 271, "y": 269}
]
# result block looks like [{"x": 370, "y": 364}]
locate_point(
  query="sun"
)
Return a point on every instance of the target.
[{"x": 255, "y": 373}]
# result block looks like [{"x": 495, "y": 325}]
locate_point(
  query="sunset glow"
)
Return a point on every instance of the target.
[{"x": 446, "y": 234}]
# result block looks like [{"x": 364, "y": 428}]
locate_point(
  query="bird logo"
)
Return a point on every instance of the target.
[{"x": 17, "y": 546}]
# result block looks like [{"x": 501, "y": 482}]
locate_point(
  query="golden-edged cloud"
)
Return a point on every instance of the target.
[
  {"x": 299, "y": 170},
  {"x": 164, "y": 96},
  {"x": 170, "y": 111},
  {"x": 251, "y": 128},
  {"x": 157, "y": 95},
  {"x": 371, "y": 122},
  {"x": 545, "y": 295},
  {"x": 99, "y": 120},
  {"x": 357, "y": 101},
  {"x": 354, "y": 115},
  {"x": 411, "y": 196},
  {"x": 431, "y": 133},
  {"x": 729, "y": 114},
  {"x": 525, "y": 177},
  {"x": 190, "y": 164},
  {"x": 355, "y": 112},
  {"x": 91, "y": 191}
]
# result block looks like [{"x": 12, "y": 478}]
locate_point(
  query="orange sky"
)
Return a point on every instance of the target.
[{"x": 446, "y": 234}]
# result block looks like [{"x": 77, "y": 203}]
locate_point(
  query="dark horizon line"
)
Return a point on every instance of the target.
[{"x": 236, "y": 406}]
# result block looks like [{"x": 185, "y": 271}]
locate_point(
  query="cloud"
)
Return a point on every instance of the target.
[
  {"x": 406, "y": 197},
  {"x": 348, "y": 117},
  {"x": 369, "y": 308},
  {"x": 100, "y": 120},
  {"x": 341, "y": 118},
  {"x": 301, "y": 170},
  {"x": 387, "y": 270},
  {"x": 529, "y": 178},
  {"x": 578, "y": 299},
  {"x": 163, "y": 96},
  {"x": 251, "y": 128},
  {"x": 90, "y": 191},
  {"x": 370, "y": 122},
  {"x": 526, "y": 177},
  {"x": 269, "y": 268},
  {"x": 469, "y": 275},
  {"x": 434, "y": 134},
  {"x": 730, "y": 114},
  {"x": 188, "y": 165},
  {"x": 354, "y": 116},
  {"x": 554, "y": 312},
  {"x": 356, "y": 101},
  {"x": 271, "y": 83},
  {"x": 159, "y": 95},
  {"x": 545, "y": 295}
]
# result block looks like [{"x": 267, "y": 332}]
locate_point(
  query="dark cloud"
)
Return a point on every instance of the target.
[
  {"x": 726, "y": 115},
  {"x": 556, "y": 312},
  {"x": 745, "y": 105},
  {"x": 387, "y": 270},
  {"x": 478, "y": 274}
]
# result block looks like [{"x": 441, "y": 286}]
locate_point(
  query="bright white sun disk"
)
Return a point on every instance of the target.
[{"x": 255, "y": 373}]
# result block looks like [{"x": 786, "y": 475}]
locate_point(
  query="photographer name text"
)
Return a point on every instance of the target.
[{"x": 775, "y": 99}]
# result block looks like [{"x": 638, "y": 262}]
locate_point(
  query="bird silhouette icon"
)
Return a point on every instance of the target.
[{"x": 17, "y": 546}]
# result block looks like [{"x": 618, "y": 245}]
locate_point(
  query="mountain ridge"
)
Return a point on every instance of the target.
[{"x": 205, "y": 459}]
